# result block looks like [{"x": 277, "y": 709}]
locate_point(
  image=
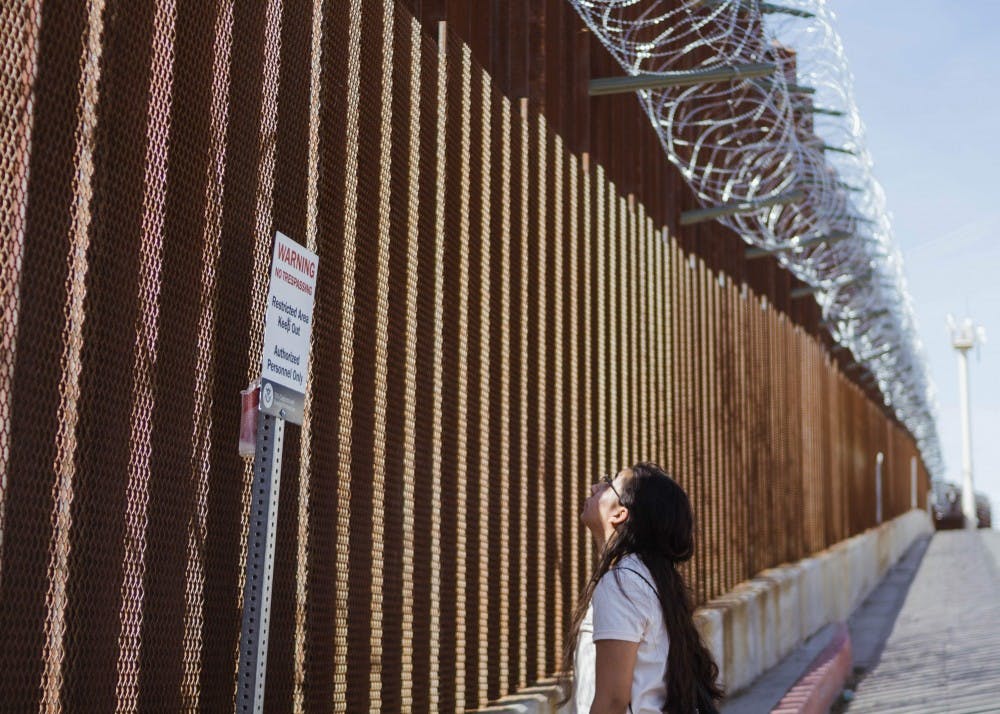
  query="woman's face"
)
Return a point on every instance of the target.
[{"x": 602, "y": 510}]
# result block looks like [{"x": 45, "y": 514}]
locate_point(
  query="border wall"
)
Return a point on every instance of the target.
[{"x": 500, "y": 318}]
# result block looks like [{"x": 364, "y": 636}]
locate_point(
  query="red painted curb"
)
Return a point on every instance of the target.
[{"x": 819, "y": 687}]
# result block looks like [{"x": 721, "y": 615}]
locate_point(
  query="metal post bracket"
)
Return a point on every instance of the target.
[
  {"x": 662, "y": 80},
  {"x": 700, "y": 215}
]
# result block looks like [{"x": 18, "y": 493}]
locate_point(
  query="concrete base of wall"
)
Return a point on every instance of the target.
[
  {"x": 542, "y": 698},
  {"x": 755, "y": 625}
]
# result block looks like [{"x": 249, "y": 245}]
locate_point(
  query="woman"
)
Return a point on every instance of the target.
[{"x": 633, "y": 643}]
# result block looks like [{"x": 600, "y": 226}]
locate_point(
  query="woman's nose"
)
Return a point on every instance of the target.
[{"x": 594, "y": 487}]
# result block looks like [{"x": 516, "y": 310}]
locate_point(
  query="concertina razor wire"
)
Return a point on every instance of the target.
[{"x": 794, "y": 134}]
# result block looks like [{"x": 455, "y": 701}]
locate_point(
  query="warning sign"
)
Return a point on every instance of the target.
[{"x": 287, "y": 326}]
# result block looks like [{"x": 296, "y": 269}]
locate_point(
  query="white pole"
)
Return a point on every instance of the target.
[
  {"x": 968, "y": 495},
  {"x": 879, "y": 458},
  {"x": 963, "y": 338},
  {"x": 913, "y": 482}
]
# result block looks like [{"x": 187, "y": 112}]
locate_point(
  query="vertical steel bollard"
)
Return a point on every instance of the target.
[
  {"x": 260, "y": 564},
  {"x": 879, "y": 458}
]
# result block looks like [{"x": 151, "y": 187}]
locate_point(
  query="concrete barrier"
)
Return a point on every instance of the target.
[
  {"x": 762, "y": 620},
  {"x": 812, "y": 605},
  {"x": 541, "y": 698}
]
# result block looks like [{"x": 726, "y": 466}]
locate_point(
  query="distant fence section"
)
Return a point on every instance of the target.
[{"x": 496, "y": 325}]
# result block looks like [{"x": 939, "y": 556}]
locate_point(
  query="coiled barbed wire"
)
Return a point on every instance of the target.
[{"x": 794, "y": 140}]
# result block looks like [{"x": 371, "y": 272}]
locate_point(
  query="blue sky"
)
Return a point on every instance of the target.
[{"x": 927, "y": 84}]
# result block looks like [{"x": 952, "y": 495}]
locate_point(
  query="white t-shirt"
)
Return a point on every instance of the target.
[{"x": 625, "y": 608}]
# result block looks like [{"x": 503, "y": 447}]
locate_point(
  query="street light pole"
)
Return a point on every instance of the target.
[{"x": 963, "y": 338}]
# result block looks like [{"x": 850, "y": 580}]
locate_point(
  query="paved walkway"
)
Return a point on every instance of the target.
[
  {"x": 944, "y": 651},
  {"x": 870, "y": 626}
]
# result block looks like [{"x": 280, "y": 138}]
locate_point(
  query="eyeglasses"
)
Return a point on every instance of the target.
[{"x": 609, "y": 479}]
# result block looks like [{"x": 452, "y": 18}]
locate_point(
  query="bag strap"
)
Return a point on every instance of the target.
[{"x": 644, "y": 578}]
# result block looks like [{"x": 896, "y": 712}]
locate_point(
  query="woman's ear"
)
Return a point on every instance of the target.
[{"x": 619, "y": 516}]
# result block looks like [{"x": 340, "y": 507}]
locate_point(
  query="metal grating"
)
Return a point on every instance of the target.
[{"x": 496, "y": 325}]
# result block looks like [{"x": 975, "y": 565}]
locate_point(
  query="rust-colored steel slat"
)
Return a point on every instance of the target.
[{"x": 500, "y": 319}]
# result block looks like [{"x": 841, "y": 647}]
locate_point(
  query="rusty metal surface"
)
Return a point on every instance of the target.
[{"x": 497, "y": 324}]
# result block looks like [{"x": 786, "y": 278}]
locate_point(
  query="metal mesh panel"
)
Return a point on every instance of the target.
[{"x": 497, "y": 324}]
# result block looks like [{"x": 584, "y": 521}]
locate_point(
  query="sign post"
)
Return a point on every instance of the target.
[
  {"x": 260, "y": 563},
  {"x": 284, "y": 366}
]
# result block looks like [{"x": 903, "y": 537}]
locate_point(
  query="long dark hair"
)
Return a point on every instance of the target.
[{"x": 660, "y": 531}]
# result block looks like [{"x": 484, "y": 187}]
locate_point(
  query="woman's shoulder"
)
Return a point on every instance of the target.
[
  {"x": 632, "y": 561},
  {"x": 625, "y": 602},
  {"x": 632, "y": 565},
  {"x": 631, "y": 574}
]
